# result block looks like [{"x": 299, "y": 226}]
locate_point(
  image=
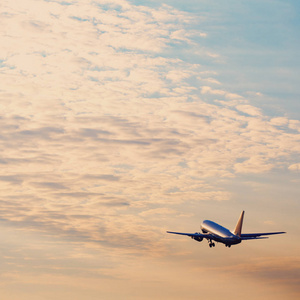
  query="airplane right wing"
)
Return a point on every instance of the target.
[
  {"x": 251, "y": 236},
  {"x": 189, "y": 234}
]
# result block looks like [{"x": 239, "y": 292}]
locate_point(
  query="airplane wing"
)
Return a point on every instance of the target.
[
  {"x": 251, "y": 236},
  {"x": 196, "y": 234}
]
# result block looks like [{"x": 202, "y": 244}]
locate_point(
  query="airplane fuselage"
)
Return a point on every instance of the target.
[{"x": 220, "y": 233}]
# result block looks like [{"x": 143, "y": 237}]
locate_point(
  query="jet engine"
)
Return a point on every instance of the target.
[{"x": 197, "y": 238}]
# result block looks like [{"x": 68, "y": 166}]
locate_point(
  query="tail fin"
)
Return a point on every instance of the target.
[{"x": 238, "y": 228}]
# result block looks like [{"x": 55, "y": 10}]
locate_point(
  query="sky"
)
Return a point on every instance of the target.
[{"x": 123, "y": 119}]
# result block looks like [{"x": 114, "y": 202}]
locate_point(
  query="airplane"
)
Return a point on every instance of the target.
[{"x": 215, "y": 232}]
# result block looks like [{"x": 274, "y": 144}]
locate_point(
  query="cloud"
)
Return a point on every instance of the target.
[
  {"x": 294, "y": 167},
  {"x": 159, "y": 211},
  {"x": 11, "y": 179},
  {"x": 111, "y": 131},
  {"x": 105, "y": 177},
  {"x": 227, "y": 95},
  {"x": 280, "y": 121},
  {"x": 253, "y": 165},
  {"x": 294, "y": 124},
  {"x": 283, "y": 272},
  {"x": 49, "y": 185},
  {"x": 103, "y": 126},
  {"x": 249, "y": 109}
]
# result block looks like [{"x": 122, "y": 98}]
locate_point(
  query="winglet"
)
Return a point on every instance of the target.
[{"x": 238, "y": 228}]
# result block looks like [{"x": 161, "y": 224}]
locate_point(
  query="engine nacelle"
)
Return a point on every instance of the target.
[{"x": 197, "y": 238}]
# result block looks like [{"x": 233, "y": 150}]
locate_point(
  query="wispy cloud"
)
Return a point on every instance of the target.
[
  {"x": 103, "y": 127},
  {"x": 283, "y": 272}
]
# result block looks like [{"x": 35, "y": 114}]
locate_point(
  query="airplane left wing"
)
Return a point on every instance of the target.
[{"x": 251, "y": 236}]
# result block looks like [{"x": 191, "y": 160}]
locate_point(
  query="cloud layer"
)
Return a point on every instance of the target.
[
  {"x": 104, "y": 125},
  {"x": 96, "y": 114}
]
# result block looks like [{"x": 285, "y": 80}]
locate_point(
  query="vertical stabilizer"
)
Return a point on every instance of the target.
[{"x": 238, "y": 228}]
